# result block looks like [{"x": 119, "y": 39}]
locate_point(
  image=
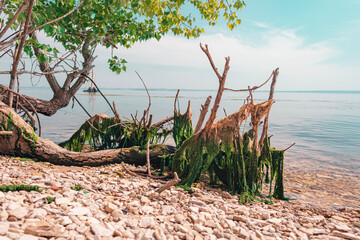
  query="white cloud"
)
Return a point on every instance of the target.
[{"x": 303, "y": 66}]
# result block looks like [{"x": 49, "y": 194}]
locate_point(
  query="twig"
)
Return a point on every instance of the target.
[
  {"x": 27, "y": 101},
  {"x": 32, "y": 119},
  {"x": 203, "y": 112},
  {"x": 225, "y": 112},
  {"x": 169, "y": 183},
  {"x": 148, "y": 157},
  {"x": 116, "y": 112},
  {"x": 128, "y": 171},
  {"x": 6, "y": 132},
  {"x": 289, "y": 147},
  {"x": 94, "y": 127},
  {"x": 176, "y": 99},
  {"x": 146, "y": 112},
  {"x": 206, "y": 51},
  {"x": 253, "y": 88},
  {"x": 99, "y": 92},
  {"x": 162, "y": 122},
  {"x": 82, "y": 106}
]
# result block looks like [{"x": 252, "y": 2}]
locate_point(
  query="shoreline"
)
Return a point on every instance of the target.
[{"x": 120, "y": 207}]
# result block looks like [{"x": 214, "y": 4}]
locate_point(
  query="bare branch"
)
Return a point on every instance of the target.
[
  {"x": 146, "y": 112},
  {"x": 169, "y": 184},
  {"x": 289, "y": 147},
  {"x": 253, "y": 88},
  {"x": 162, "y": 122},
  {"x": 206, "y": 51},
  {"x": 12, "y": 20},
  {"x": 203, "y": 112}
]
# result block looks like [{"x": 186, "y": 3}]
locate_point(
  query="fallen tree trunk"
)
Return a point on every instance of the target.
[{"x": 24, "y": 142}]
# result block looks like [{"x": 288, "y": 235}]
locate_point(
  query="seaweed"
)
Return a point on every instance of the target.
[{"x": 13, "y": 188}]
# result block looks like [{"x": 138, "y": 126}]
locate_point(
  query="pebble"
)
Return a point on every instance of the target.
[{"x": 125, "y": 207}]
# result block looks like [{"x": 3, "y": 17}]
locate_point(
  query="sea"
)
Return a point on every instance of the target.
[{"x": 325, "y": 125}]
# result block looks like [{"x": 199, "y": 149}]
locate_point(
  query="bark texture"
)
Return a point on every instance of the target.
[{"x": 24, "y": 142}]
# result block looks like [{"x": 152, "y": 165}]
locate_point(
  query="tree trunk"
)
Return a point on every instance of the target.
[{"x": 24, "y": 142}]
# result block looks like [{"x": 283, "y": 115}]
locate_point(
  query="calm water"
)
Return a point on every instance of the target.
[{"x": 324, "y": 125}]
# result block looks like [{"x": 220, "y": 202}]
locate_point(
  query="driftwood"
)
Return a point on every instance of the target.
[
  {"x": 203, "y": 112},
  {"x": 24, "y": 142},
  {"x": 169, "y": 184},
  {"x": 6, "y": 132}
]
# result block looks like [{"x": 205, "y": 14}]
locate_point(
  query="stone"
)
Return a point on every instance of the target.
[
  {"x": 265, "y": 216},
  {"x": 146, "y": 210},
  {"x": 166, "y": 210},
  {"x": 62, "y": 200},
  {"x": 43, "y": 229},
  {"x": 147, "y": 222},
  {"x": 101, "y": 231},
  {"x": 110, "y": 207},
  {"x": 28, "y": 237},
  {"x": 342, "y": 227},
  {"x": 179, "y": 218},
  {"x": 3, "y": 215},
  {"x": 66, "y": 221},
  {"x": 243, "y": 233},
  {"x": 80, "y": 211},
  {"x": 4, "y": 227},
  {"x": 148, "y": 235},
  {"x": 18, "y": 213},
  {"x": 38, "y": 212},
  {"x": 117, "y": 214},
  {"x": 345, "y": 235},
  {"x": 144, "y": 200}
]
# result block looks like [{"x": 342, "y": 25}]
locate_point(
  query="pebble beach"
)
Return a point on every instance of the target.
[{"x": 112, "y": 204}]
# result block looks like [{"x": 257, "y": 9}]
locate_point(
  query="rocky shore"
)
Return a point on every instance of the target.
[{"x": 114, "y": 205}]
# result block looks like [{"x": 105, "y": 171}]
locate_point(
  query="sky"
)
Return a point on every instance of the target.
[{"x": 314, "y": 43}]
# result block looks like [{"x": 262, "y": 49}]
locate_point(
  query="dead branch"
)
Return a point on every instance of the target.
[
  {"x": 32, "y": 119},
  {"x": 128, "y": 171},
  {"x": 169, "y": 183},
  {"x": 253, "y": 88},
  {"x": 176, "y": 99},
  {"x": 289, "y": 147},
  {"x": 206, "y": 51},
  {"x": 222, "y": 79},
  {"x": 275, "y": 74},
  {"x": 6, "y": 133},
  {"x": 273, "y": 83},
  {"x": 146, "y": 112},
  {"x": 162, "y": 122},
  {"x": 203, "y": 112},
  {"x": 116, "y": 112},
  {"x": 25, "y": 100},
  {"x": 148, "y": 157}
]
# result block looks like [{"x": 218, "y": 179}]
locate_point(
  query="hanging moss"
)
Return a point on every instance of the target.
[
  {"x": 182, "y": 128},
  {"x": 232, "y": 158},
  {"x": 102, "y": 132}
]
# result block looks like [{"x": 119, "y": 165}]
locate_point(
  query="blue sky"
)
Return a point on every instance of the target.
[{"x": 315, "y": 44}]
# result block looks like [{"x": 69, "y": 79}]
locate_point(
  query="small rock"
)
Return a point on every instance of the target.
[
  {"x": 62, "y": 200},
  {"x": 179, "y": 218},
  {"x": 101, "y": 231},
  {"x": 226, "y": 195},
  {"x": 345, "y": 235},
  {"x": 265, "y": 216},
  {"x": 3, "y": 215},
  {"x": 43, "y": 229},
  {"x": 28, "y": 237},
  {"x": 4, "y": 228},
  {"x": 66, "y": 221},
  {"x": 80, "y": 211},
  {"x": 146, "y": 222},
  {"x": 109, "y": 208},
  {"x": 144, "y": 200},
  {"x": 19, "y": 212}
]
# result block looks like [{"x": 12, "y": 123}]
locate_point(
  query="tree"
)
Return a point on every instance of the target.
[{"x": 112, "y": 23}]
